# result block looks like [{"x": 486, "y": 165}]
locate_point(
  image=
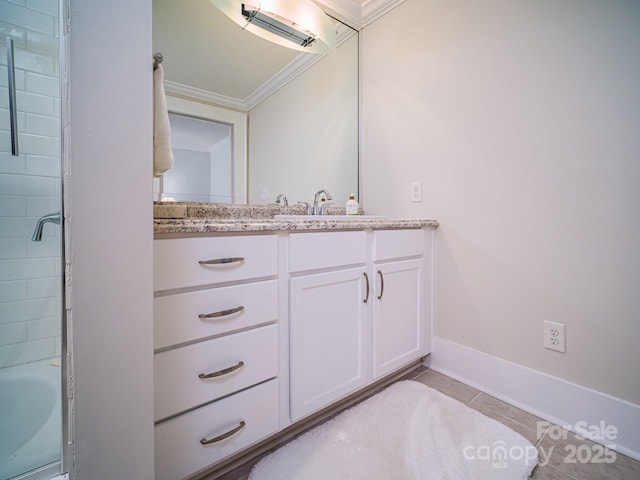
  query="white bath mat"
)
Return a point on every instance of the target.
[{"x": 406, "y": 432}]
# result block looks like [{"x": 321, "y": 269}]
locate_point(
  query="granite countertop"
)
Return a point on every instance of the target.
[{"x": 176, "y": 218}]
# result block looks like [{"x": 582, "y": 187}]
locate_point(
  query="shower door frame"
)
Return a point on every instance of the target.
[
  {"x": 60, "y": 468},
  {"x": 66, "y": 353}
]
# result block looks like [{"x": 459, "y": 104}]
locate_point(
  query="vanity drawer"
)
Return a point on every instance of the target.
[
  {"x": 176, "y": 317},
  {"x": 176, "y": 262},
  {"x": 238, "y": 361},
  {"x": 314, "y": 250},
  {"x": 178, "y": 450},
  {"x": 389, "y": 244}
]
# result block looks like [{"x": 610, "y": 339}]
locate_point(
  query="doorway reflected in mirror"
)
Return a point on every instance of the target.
[{"x": 202, "y": 170}]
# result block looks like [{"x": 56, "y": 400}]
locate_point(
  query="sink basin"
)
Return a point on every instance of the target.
[{"x": 324, "y": 218}]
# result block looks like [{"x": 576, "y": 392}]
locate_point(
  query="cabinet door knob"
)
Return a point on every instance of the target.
[
  {"x": 366, "y": 298},
  {"x": 219, "y": 261},
  {"x": 219, "y": 438},
  {"x": 381, "y": 285},
  {"x": 220, "y": 373},
  {"x": 221, "y": 313}
]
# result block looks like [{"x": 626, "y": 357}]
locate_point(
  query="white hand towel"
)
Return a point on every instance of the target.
[{"x": 162, "y": 154}]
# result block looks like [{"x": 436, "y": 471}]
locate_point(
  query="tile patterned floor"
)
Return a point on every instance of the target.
[{"x": 557, "y": 446}]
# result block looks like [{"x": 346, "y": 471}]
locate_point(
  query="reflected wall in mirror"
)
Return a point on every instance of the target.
[
  {"x": 301, "y": 109},
  {"x": 304, "y": 137}
]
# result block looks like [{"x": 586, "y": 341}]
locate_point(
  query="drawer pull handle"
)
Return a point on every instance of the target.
[
  {"x": 221, "y": 313},
  {"x": 219, "y": 438},
  {"x": 381, "y": 285},
  {"x": 219, "y": 373},
  {"x": 219, "y": 261},
  {"x": 366, "y": 298}
]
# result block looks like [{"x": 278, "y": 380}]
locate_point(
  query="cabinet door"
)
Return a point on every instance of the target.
[
  {"x": 399, "y": 317},
  {"x": 328, "y": 338}
]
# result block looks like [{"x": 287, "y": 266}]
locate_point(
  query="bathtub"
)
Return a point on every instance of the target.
[{"x": 30, "y": 417}]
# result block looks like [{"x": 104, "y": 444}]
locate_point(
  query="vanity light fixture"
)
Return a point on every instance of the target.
[{"x": 297, "y": 24}]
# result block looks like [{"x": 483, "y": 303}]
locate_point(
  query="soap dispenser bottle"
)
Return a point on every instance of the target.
[{"x": 352, "y": 205}]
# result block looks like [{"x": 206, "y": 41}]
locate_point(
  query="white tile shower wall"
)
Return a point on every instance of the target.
[{"x": 30, "y": 272}]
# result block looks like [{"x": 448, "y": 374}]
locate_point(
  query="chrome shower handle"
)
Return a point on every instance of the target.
[{"x": 13, "y": 108}]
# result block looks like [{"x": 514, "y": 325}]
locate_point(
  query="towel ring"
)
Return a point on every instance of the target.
[{"x": 157, "y": 59}]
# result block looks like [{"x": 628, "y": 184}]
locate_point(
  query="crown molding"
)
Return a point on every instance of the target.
[
  {"x": 347, "y": 11},
  {"x": 181, "y": 90},
  {"x": 374, "y": 9},
  {"x": 357, "y": 14},
  {"x": 294, "y": 68},
  {"x": 290, "y": 71}
]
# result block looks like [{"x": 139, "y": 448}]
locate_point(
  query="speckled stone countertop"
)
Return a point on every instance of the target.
[{"x": 183, "y": 218}]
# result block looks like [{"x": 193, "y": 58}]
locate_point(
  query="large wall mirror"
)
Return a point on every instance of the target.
[{"x": 291, "y": 118}]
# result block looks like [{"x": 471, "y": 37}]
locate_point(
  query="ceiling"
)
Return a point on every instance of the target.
[
  {"x": 199, "y": 43},
  {"x": 208, "y": 56}
]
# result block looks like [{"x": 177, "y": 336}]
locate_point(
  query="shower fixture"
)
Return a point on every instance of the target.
[{"x": 50, "y": 218}]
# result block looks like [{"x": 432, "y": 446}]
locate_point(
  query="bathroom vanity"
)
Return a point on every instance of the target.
[{"x": 261, "y": 323}]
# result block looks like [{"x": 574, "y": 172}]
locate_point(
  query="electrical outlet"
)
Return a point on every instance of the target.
[
  {"x": 554, "y": 338},
  {"x": 416, "y": 191}
]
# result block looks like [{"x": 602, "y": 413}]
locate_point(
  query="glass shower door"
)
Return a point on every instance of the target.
[{"x": 31, "y": 269}]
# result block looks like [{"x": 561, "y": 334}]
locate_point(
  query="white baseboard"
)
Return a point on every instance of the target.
[{"x": 551, "y": 398}]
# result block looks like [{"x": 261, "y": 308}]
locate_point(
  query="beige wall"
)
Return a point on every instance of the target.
[{"x": 522, "y": 120}]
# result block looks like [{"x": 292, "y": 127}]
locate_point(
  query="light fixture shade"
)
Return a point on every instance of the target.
[{"x": 297, "y": 24}]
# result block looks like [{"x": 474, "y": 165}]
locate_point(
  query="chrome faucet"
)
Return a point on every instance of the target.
[
  {"x": 316, "y": 202},
  {"x": 51, "y": 218},
  {"x": 281, "y": 200},
  {"x": 307, "y": 207}
]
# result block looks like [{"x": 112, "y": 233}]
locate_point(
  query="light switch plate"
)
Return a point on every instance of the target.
[{"x": 416, "y": 191}]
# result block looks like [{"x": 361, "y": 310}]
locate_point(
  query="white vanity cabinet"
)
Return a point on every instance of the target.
[
  {"x": 254, "y": 332},
  {"x": 359, "y": 310},
  {"x": 216, "y": 341},
  {"x": 401, "y": 301},
  {"x": 327, "y": 319}
]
